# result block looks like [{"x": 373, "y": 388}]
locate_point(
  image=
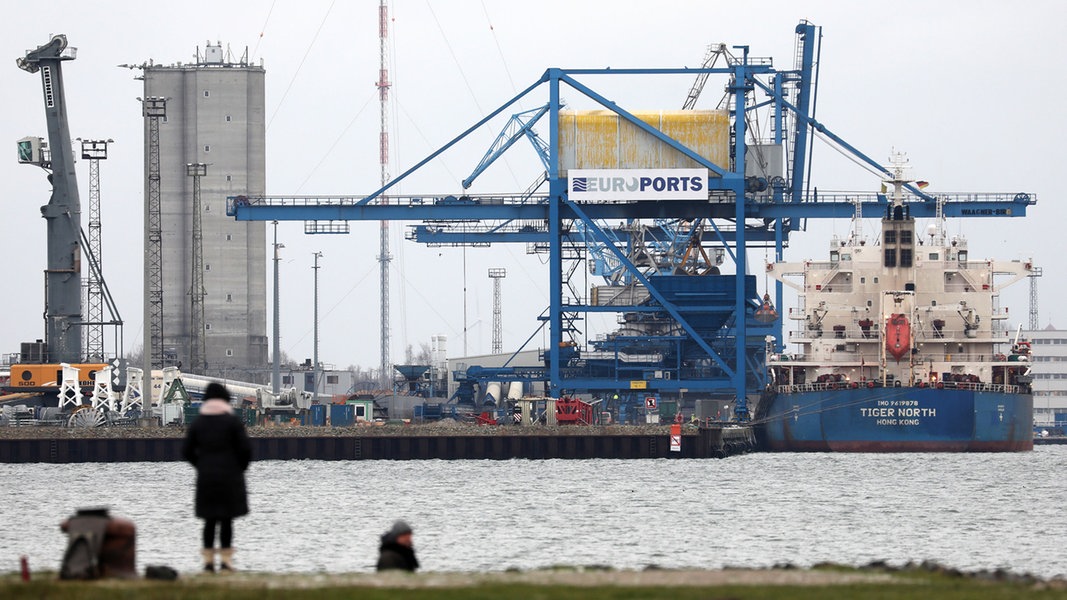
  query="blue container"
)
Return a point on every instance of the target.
[
  {"x": 342, "y": 415},
  {"x": 432, "y": 411},
  {"x": 317, "y": 416}
]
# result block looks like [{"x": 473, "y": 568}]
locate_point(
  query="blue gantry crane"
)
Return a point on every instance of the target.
[{"x": 673, "y": 259}]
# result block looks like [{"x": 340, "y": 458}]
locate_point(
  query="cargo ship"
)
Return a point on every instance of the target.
[{"x": 902, "y": 345}]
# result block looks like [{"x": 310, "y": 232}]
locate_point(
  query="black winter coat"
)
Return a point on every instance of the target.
[
  {"x": 396, "y": 556},
  {"x": 218, "y": 446}
]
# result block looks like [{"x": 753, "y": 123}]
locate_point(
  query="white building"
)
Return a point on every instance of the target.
[
  {"x": 526, "y": 358},
  {"x": 333, "y": 383},
  {"x": 1050, "y": 372}
]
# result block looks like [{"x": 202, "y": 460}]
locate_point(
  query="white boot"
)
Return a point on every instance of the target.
[
  {"x": 227, "y": 559},
  {"x": 208, "y": 556}
]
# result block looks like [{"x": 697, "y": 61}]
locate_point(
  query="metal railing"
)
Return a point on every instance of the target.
[
  {"x": 949, "y": 385},
  {"x": 921, "y": 358},
  {"x": 924, "y": 334},
  {"x": 1020, "y": 197}
]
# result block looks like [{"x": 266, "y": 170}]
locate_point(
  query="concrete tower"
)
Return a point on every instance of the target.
[{"x": 215, "y": 116}]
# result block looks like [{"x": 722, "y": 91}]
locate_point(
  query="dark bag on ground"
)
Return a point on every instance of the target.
[{"x": 161, "y": 572}]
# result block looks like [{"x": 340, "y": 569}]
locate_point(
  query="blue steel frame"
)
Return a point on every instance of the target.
[{"x": 788, "y": 207}]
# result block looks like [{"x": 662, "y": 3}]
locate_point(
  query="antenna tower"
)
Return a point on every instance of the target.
[
  {"x": 198, "y": 347},
  {"x": 383, "y": 152},
  {"x": 94, "y": 151},
  {"x": 1034, "y": 274},
  {"x": 153, "y": 109},
  {"x": 498, "y": 339}
]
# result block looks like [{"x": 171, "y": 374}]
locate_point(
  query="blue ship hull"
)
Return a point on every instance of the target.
[{"x": 897, "y": 419}]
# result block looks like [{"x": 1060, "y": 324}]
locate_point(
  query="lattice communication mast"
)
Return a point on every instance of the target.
[
  {"x": 498, "y": 339},
  {"x": 198, "y": 354},
  {"x": 383, "y": 154},
  {"x": 1034, "y": 321},
  {"x": 94, "y": 151},
  {"x": 153, "y": 109}
]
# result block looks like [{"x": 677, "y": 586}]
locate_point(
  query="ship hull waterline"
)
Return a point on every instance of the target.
[{"x": 897, "y": 420}]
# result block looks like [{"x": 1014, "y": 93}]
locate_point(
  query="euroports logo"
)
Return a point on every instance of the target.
[{"x": 638, "y": 184}]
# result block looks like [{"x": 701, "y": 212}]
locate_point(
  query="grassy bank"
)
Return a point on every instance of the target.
[{"x": 829, "y": 583}]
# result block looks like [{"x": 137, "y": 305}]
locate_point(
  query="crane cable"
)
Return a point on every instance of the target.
[
  {"x": 262, "y": 30},
  {"x": 463, "y": 75},
  {"x": 339, "y": 302},
  {"x": 301, "y": 65},
  {"x": 514, "y": 90},
  {"x": 336, "y": 141},
  {"x": 500, "y": 52},
  {"x": 829, "y": 142}
]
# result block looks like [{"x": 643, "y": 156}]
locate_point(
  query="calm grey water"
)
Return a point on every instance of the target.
[{"x": 972, "y": 511}]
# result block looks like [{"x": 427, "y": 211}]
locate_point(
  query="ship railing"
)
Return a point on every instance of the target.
[
  {"x": 828, "y": 332},
  {"x": 838, "y": 357},
  {"x": 951, "y": 197},
  {"x": 8, "y": 359},
  {"x": 841, "y": 288},
  {"x": 979, "y": 387},
  {"x": 929, "y": 333},
  {"x": 854, "y": 333},
  {"x": 952, "y": 357},
  {"x": 950, "y": 385},
  {"x": 926, "y": 358},
  {"x": 817, "y": 387},
  {"x": 385, "y": 200}
]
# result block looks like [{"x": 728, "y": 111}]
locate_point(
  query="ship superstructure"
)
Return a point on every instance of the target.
[{"x": 907, "y": 314}]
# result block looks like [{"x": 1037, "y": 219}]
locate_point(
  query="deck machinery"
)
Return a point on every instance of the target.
[{"x": 689, "y": 327}]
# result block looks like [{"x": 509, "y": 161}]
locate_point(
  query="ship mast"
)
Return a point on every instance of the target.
[{"x": 899, "y": 162}]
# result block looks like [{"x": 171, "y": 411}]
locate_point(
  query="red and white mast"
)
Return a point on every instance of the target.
[{"x": 384, "y": 258}]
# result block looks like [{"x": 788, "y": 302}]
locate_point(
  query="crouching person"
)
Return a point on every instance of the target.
[{"x": 397, "y": 551}]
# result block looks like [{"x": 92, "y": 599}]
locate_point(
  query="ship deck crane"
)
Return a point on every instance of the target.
[{"x": 706, "y": 339}]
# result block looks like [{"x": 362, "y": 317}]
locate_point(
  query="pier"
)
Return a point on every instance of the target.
[{"x": 709, "y": 442}]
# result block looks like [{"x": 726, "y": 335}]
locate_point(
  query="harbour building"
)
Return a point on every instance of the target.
[
  {"x": 214, "y": 117},
  {"x": 1050, "y": 374}
]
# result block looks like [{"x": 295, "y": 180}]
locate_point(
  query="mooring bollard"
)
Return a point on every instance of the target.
[{"x": 98, "y": 545}]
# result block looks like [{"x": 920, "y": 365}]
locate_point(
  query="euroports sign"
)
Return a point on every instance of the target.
[{"x": 601, "y": 185}]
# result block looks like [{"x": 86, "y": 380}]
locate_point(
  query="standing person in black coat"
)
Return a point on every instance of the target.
[
  {"x": 397, "y": 551},
  {"x": 218, "y": 446}
]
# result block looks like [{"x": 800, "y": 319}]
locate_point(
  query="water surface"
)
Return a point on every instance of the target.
[{"x": 971, "y": 511}]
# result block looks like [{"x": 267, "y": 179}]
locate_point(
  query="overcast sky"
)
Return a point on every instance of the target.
[{"x": 972, "y": 91}]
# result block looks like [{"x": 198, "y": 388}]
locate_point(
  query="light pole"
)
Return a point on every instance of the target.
[
  {"x": 94, "y": 151},
  {"x": 198, "y": 343},
  {"x": 315, "y": 355},
  {"x": 498, "y": 339},
  {"x": 276, "y": 373}
]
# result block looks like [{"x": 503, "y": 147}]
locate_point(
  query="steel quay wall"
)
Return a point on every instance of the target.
[{"x": 704, "y": 444}]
